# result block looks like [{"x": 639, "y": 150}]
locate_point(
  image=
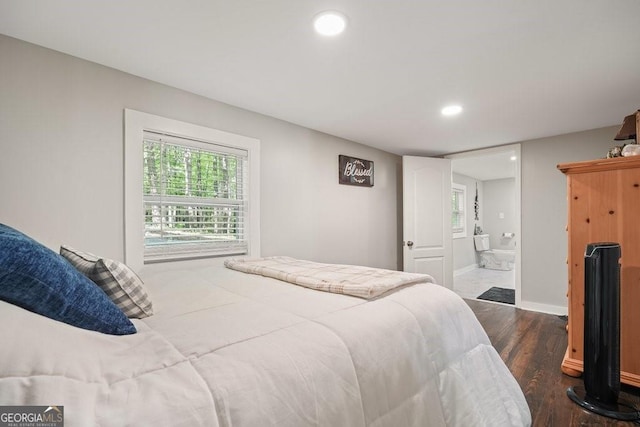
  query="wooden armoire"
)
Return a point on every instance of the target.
[{"x": 604, "y": 206}]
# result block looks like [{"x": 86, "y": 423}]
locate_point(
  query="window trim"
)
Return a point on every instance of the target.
[
  {"x": 463, "y": 232},
  {"x": 135, "y": 123}
]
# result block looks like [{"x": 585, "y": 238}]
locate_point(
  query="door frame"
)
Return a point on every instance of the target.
[{"x": 518, "y": 191}]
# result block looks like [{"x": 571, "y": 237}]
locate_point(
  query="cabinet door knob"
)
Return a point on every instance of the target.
[{"x": 410, "y": 243}]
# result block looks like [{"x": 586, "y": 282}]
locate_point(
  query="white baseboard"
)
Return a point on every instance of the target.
[
  {"x": 544, "y": 308},
  {"x": 464, "y": 269}
]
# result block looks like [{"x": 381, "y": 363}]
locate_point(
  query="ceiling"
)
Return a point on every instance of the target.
[
  {"x": 486, "y": 166},
  {"x": 521, "y": 69}
]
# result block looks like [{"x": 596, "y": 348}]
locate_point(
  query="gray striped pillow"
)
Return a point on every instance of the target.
[{"x": 118, "y": 281}]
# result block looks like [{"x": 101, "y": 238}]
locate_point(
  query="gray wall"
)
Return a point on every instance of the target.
[
  {"x": 61, "y": 163},
  {"x": 544, "y": 211},
  {"x": 464, "y": 253},
  {"x": 61, "y": 171},
  {"x": 500, "y": 200}
]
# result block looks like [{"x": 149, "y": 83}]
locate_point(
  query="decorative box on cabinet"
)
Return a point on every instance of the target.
[{"x": 604, "y": 206}]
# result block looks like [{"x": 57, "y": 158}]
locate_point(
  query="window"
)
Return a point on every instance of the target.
[
  {"x": 190, "y": 191},
  {"x": 458, "y": 214},
  {"x": 194, "y": 198}
]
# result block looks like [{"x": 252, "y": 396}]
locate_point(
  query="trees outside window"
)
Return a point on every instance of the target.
[{"x": 194, "y": 197}]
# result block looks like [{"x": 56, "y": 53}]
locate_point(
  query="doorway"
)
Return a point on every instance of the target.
[{"x": 487, "y": 246}]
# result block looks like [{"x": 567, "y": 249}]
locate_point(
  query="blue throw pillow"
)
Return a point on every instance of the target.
[{"x": 39, "y": 280}]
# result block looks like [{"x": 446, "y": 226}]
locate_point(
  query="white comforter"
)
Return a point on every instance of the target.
[{"x": 232, "y": 349}]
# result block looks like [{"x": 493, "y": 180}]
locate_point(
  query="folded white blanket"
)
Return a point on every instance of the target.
[{"x": 358, "y": 281}]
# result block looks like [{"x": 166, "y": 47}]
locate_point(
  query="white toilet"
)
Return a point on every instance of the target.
[{"x": 494, "y": 259}]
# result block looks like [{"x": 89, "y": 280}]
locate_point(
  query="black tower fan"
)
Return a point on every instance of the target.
[{"x": 602, "y": 335}]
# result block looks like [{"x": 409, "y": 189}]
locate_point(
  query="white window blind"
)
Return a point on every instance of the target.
[
  {"x": 458, "y": 218},
  {"x": 195, "y": 198}
]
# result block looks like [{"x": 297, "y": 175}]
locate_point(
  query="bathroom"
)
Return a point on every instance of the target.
[{"x": 486, "y": 223}]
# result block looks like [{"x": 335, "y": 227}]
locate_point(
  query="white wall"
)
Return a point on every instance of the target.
[
  {"x": 464, "y": 253},
  {"x": 544, "y": 212},
  {"x": 61, "y": 163},
  {"x": 499, "y": 207}
]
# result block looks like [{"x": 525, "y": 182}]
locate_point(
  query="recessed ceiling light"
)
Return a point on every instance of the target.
[
  {"x": 513, "y": 158},
  {"x": 451, "y": 110},
  {"x": 330, "y": 23}
]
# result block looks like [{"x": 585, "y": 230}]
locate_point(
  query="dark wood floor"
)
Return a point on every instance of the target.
[{"x": 532, "y": 345}]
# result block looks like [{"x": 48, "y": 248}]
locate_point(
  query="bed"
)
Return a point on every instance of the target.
[{"x": 227, "y": 348}]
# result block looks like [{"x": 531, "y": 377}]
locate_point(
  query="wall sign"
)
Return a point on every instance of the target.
[{"x": 352, "y": 171}]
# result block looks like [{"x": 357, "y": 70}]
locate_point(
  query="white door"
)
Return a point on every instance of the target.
[{"x": 427, "y": 246}]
